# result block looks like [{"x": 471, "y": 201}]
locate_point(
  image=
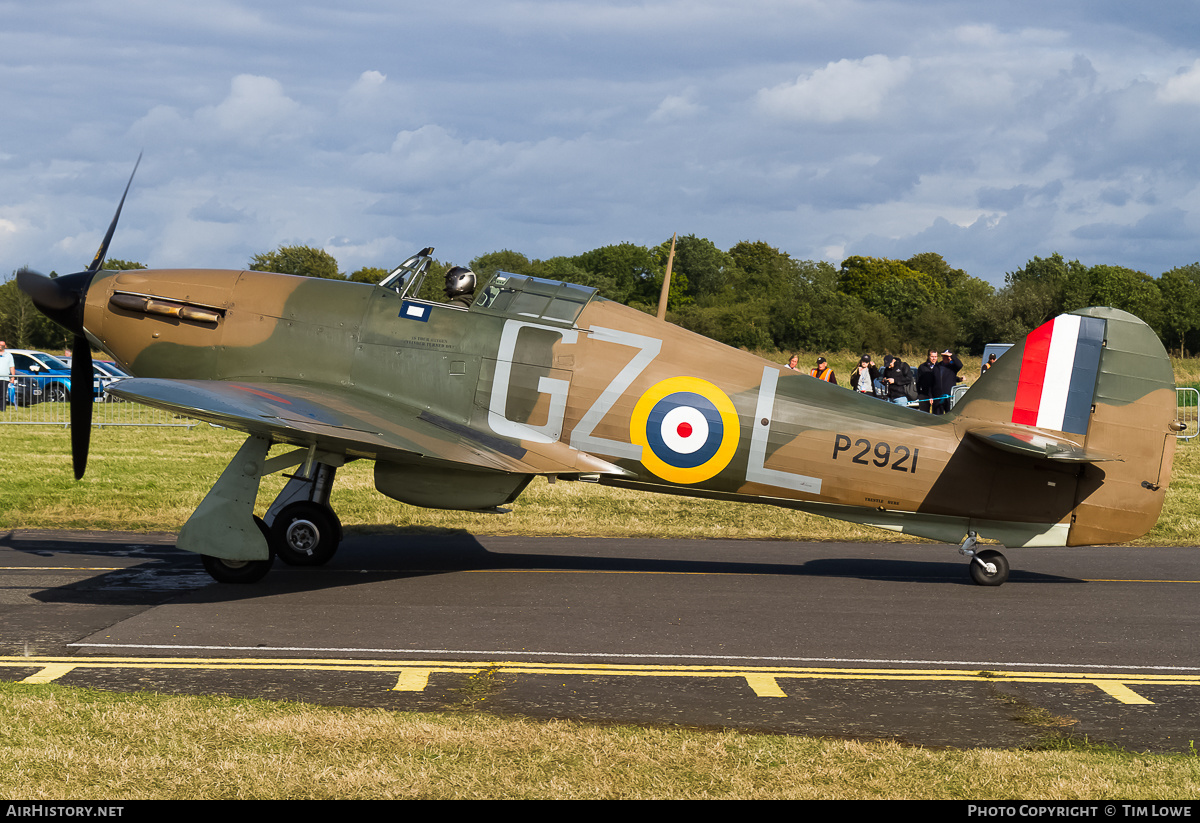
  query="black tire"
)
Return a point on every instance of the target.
[
  {"x": 241, "y": 571},
  {"x": 57, "y": 393},
  {"x": 980, "y": 573},
  {"x": 306, "y": 534}
]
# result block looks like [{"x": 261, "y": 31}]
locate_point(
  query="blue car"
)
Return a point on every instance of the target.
[
  {"x": 49, "y": 378},
  {"x": 104, "y": 372}
]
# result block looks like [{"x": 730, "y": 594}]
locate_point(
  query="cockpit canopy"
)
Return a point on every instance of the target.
[
  {"x": 406, "y": 279},
  {"x": 505, "y": 294},
  {"x": 519, "y": 295}
]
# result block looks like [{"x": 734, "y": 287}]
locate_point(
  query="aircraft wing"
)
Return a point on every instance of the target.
[
  {"x": 1031, "y": 443},
  {"x": 352, "y": 423}
]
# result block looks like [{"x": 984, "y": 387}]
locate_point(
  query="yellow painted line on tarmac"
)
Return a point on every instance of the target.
[
  {"x": 414, "y": 675},
  {"x": 65, "y": 568},
  {"x": 1123, "y": 693},
  {"x": 50, "y": 673},
  {"x": 1132, "y": 580}
]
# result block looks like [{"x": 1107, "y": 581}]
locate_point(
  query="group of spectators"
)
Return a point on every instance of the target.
[{"x": 928, "y": 387}]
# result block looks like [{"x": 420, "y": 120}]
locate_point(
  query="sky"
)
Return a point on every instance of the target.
[{"x": 989, "y": 133}]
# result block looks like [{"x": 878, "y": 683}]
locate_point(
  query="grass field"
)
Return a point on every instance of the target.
[
  {"x": 141, "y": 479},
  {"x": 63, "y": 743},
  {"x": 152, "y": 479}
]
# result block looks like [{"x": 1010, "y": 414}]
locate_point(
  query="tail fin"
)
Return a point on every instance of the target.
[{"x": 1093, "y": 387}]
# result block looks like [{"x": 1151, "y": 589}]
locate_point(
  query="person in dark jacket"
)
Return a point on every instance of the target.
[
  {"x": 896, "y": 377},
  {"x": 945, "y": 375},
  {"x": 924, "y": 378}
]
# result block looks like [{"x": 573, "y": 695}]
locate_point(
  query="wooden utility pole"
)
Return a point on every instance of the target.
[{"x": 666, "y": 289}]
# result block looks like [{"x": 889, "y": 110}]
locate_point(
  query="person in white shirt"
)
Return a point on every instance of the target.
[{"x": 8, "y": 371}]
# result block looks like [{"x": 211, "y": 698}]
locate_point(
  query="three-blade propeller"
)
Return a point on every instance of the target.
[{"x": 62, "y": 299}]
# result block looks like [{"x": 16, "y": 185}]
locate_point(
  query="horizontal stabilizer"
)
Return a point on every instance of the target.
[{"x": 1038, "y": 444}]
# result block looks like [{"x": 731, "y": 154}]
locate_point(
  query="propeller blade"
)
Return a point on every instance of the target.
[
  {"x": 44, "y": 291},
  {"x": 60, "y": 298},
  {"x": 81, "y": 403},
  {"x": 102, "y": 252}
]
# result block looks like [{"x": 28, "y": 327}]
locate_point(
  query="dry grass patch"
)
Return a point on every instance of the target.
[
  {"x": 151, "y": 479},
  {"x": 141, "y": 479},
  {"x": 63, "y": 743}
]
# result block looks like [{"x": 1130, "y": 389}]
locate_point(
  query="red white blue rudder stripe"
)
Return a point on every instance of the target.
[{"x": 1058, "y": 374}]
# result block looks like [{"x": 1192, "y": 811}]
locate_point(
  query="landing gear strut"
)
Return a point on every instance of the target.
[
  {"x": 300, "y": 527},
  {"x": 988, "y": 567},
  {"x": 305, "y": 531}
]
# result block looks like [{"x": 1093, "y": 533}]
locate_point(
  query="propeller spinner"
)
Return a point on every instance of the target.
[{"x": 62, "y": 300}]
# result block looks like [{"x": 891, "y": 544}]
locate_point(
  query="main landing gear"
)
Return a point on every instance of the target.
[
  {"x": 988, "y": 567},
  {"x": 306, "y": 534},
  {"x": 239, "y": 571},
  {"x": 300, "y": 527}
]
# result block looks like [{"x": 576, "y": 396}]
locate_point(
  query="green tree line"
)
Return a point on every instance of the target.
[{"x": 755, "y": 296}]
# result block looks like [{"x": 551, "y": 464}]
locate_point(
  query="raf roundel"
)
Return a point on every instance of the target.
[{"x": 688, "y": 429}]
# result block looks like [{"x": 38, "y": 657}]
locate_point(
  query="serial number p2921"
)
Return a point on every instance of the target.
[{"x": 880, "y": 453}]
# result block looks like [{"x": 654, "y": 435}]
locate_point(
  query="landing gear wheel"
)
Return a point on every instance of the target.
[
  {"x": 240, "y": 571},
  {"x": 989, "y": 568},
  {"x": 306, "y": 534}
]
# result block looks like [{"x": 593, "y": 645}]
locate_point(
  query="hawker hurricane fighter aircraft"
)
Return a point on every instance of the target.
[{"x": 1066, "y": 441}]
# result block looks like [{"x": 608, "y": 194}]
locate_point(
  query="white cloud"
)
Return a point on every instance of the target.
[
  {"x": 676, "y": 107},
  {"x": 255, "y": 106},
  {"x": 433, "y": 153},
  {"x": 554, "y": 127},
  {"x": 371, "y": 78},
  {"x": 255, "y": 112},
  {"x": 1183, "y": 87},
  {"x": 368, "y": 82},
  {"x": 845, "y": 90},
  {"x": 214, "y": 210}
]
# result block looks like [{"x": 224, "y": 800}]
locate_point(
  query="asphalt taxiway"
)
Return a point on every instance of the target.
[{"x": 862, "y": 640}]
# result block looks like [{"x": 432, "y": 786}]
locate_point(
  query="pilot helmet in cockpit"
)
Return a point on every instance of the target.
[{"x": 460, "y": 282}]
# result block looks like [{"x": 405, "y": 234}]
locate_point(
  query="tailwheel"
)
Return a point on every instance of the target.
[
  {"x": 240, "y": 571},
  {"x": 989, "y": 568},
  {"x": 306, "y": 534}
]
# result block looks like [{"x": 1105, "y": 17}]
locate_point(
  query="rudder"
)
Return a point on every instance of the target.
[{"x": 1094, "y": 387}]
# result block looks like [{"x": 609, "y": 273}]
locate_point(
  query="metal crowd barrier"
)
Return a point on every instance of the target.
[
  {"x": 39, "y": 403},
  {"x": 1188, "y": 403},
  {"x": 1187, "y": 399}
]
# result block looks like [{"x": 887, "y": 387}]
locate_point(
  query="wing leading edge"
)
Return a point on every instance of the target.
[{"x": 355, "y": 424}]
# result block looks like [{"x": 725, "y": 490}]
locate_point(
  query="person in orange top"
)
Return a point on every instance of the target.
[{"x": 822, "y": 371}]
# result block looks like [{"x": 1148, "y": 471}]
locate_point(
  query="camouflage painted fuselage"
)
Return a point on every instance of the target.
[{"x": 461, "y": 408}]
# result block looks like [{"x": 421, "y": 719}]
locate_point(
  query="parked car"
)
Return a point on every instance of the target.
[
  {"x": 105, "y": 372},
  {"x": 24, "y": 391},
  {"x": 51, "y": 377}
]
